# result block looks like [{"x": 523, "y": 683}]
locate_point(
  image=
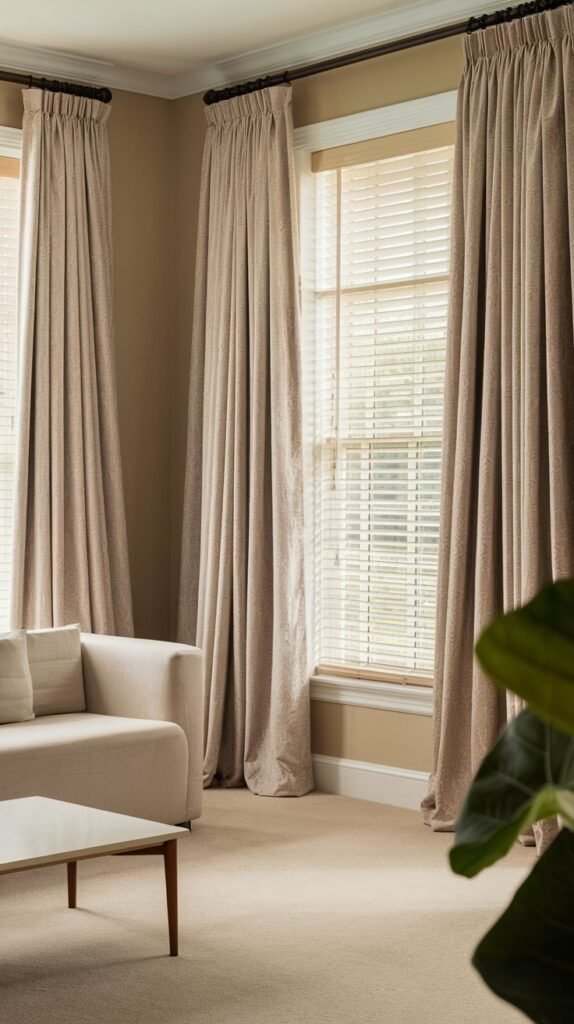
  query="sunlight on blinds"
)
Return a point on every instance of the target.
[
  {"x": 381, "y": 264},
  {"x": 9, "y": 222}
]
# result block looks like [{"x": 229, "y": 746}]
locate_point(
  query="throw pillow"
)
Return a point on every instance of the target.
[
  {"x": 16, "y": 698},
  {"x": 55, "y": 659}
]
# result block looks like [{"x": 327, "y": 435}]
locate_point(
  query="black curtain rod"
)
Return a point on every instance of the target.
[
  {"x": 92, "y": 92},
  {"x": 381, "y": 49}
]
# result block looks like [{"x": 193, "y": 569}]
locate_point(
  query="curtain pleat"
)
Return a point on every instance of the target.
[
  {"x": 70, "y": 561},
  {"x": 241, "y": 591},
  {"x": 508, "y": 478}
]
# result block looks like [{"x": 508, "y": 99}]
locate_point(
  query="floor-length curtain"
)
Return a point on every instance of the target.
[
  {"x": 242, "y": 593},
  {"x": 508, "y": 483},
  {"x": 70, "y": 553}
]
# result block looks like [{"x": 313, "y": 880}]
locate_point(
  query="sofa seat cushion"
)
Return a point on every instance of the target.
[{"x": 128, "y": 765}]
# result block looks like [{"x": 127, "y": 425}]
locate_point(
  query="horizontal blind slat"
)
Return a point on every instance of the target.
[{"x": 378, "y": 337}]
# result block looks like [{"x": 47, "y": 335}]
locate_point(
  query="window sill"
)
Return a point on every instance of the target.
[{"x": 406, "y": 698}]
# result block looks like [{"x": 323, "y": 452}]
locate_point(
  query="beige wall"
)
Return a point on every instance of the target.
[
  {"x": 10, "y": 105},
  {"x": 378, "y": 737},
  {"x": 140, "y": 141},
  {"x": 140, "y": 146},
  {"x": 361, "y": 734},
  {"x": 377, "y": 83}
]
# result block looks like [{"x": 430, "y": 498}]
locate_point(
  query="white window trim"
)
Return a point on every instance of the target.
[
  {"x": 406, "y": 698},
  {"x": 382, "y": 695},
  {"x": 10, "y": 142},
  {"x": 374, "y": 124}
]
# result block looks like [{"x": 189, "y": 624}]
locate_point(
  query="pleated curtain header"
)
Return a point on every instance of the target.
[
  {"x": 59, "y": 104},
  {"x": 548, "y": 27},
  {"x": 255, "y": 104}
]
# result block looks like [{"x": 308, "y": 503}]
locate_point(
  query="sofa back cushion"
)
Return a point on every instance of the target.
[
  {"x": 55, "y": 659},
  {"x": 16, "y": 698}
]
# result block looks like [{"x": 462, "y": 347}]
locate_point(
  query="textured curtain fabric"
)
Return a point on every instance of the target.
[
  {"x": 70, "y": 552},
  {"x": 242, "y": 594},
  {"x": 508, "y": 478}
]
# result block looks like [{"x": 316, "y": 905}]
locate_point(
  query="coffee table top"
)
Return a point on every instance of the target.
[{"x": 35, "y": 831}]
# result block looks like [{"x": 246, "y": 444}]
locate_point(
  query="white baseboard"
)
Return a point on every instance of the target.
[{"x": 399, "y": 787}]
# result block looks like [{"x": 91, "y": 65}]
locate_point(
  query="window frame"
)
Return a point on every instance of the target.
[{"x": 391, "y": 692}]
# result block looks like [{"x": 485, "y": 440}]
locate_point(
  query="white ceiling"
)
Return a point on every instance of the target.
[
  {"x": 172, "y": 35},
  {"x": 176, "y": 47}
]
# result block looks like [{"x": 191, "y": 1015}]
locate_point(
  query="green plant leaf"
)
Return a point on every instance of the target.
[
  {"x": 526, "y": 777},
  {"x": 531, "y": 652},
  {"x": 527, "y": 957}
]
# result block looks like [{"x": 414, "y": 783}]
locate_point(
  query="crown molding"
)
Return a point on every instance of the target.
[
  {"x": 70, "y": 66},
  {"x": 343, "y": 38}
]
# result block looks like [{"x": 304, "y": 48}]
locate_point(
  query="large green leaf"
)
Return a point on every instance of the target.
[
  {"x": 531, "y": 652},
  {"x": 528, "y": 956},
  {"x": 527, "y": 776}
]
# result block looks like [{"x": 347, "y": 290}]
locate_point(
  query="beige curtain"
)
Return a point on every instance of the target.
[
  {"x": 70, "y": 553},
  {"x": 242, "y": 594},
  {"x": 508, "y": 483}
]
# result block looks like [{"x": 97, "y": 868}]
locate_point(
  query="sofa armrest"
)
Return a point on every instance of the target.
[{"x": 150, "y": 679}]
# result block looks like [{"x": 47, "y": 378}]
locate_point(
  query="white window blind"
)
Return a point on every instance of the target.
[
  {"x": 9, "y": 224},
  {"x": 381, "y": 265}
]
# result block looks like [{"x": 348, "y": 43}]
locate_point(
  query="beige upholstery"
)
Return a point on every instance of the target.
[
  {"x": 150, "y": 679},
  {"x": 138, "y": 748},
  {"x": 16, "y": 694},
  {"x": 55, "y": 660},
  {"x": 123, "y": 764}
]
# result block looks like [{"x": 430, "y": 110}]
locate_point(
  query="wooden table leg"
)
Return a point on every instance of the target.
[
  {"x": 72, "y": 866},
  {"x": 170, "y": 865}
]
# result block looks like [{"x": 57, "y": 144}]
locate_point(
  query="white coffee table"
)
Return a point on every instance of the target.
[{"x": 36, "y": 831}]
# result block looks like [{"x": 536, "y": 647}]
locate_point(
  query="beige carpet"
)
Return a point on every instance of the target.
[{"x": 322, "y": 910}]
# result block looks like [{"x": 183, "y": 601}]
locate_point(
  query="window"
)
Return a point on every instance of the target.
[
  {"x": 376, "y": 331},
  {"x": 9, "y": 224}
]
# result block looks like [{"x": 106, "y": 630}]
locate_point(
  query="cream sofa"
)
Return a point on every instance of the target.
[{"x": 136, "y": 749}]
